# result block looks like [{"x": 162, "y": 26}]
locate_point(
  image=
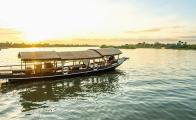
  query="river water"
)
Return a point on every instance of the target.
[{"x": 154, "y": 84}]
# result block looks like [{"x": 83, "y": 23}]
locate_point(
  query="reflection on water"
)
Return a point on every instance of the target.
[{"x": 32, "y": 95}]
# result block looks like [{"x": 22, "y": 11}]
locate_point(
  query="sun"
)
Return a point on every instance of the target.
[
  {"x": 33, "y": 38},
  {"x": 33, "y": 41}
]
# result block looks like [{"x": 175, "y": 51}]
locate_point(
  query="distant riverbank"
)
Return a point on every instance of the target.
[
  {"x": 178, "y": 45},
  {"x": 157, "y": 45},
  {"x": 24, "y": 45}
]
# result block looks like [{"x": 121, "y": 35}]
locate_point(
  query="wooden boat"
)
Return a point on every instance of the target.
[{"x": 54, "y": 65}]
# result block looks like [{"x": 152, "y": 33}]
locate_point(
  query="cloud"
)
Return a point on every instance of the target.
[
  {"x": 152, "y": 30},
  {"x": 193, "y": 32},
  {"x": 145, "y": 31},
  {"x": 10, "y": 34},
  {"x": 177, "y": 26},
  {"x": 9, "y": 31},
  {"x": 189, "y": 37},
  {"x": 156, "y": 29}
]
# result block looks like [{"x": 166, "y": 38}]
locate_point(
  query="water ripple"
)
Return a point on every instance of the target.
[{"x": 153, "y": 84}]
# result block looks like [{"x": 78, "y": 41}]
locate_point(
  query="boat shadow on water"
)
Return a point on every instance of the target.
[{"x": 33, "y": 95}]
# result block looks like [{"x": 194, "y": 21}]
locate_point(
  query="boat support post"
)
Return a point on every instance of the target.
[{"x": 62, "y": 65}]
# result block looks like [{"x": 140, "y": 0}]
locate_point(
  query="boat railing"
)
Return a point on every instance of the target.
[
  {"x": 20, "y": 68},
  {"x": 9, "y": 68}
]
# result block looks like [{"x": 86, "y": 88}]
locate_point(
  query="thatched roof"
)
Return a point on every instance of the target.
[
  {"x": 75, "y": 55},
  {"x": 108, "y": 51},
  {"x": 38, "y": 55}
]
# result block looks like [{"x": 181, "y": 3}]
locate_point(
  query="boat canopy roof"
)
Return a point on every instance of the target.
[
  {"x": 68, "y": 55},
  {"x": 76, "y": 55},
  {"x": 108, "y": 51},
  {"x": 38, "y": 55}
]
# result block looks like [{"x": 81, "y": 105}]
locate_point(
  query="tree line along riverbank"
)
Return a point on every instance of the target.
[
  {"x": 157, "y": 45},
  {"x": 25, "y": 45}
]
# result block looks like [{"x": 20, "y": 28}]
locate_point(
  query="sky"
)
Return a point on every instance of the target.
[{"x": 77, "y": 21}]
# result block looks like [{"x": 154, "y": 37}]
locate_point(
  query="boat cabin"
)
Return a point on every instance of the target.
[{"x": 51, "y": 62}]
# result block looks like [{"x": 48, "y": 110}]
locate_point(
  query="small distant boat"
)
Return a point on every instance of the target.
[{"x": 54, "y": 65}]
